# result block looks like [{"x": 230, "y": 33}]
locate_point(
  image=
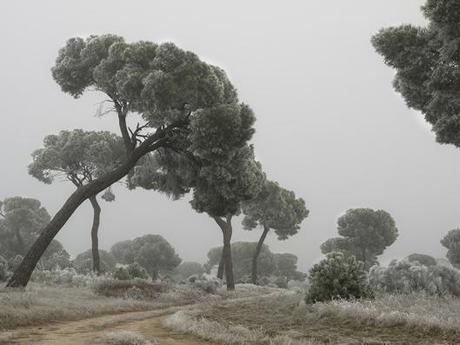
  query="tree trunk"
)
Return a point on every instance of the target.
[
  {"x": 20, "y": 240},
  {"x": 256, "y": 254},
  {"x": 22, "y": 274},
  {"x": 94, "y": 234},
  {"x": 220, "y": 269},
  {"x": 226, "y": 227}
]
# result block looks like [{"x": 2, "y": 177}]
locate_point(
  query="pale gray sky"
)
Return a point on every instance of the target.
[{"x": 329, "y": 125}]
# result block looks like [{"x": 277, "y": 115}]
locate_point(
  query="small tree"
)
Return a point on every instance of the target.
[
  {"x": 286, "y": 267},
  {"x": 228, "y": 173},
  {"x": 452, "y": 242},
  {"x": 337, "y": 276},
  {"x": 365, "y": 234},
  {"x": 79, "y": 157},
  {"x": 274, "y": 208},
  {"x": 152, "y": 252}
]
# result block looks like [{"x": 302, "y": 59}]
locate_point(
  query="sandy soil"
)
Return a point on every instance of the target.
[{"x": 91, "y": 331}]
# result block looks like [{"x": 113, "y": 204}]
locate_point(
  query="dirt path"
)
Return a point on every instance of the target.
[{"x": 91, "y": 331}]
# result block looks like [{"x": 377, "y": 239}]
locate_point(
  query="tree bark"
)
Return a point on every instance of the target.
[
  {"x": 257, "y": 253},
  {"x": 226, "y": 227},
  {"x": 22, "y": 274},
  {"x": 94, "y": 234},
  {"x": 220, "y": 269}
]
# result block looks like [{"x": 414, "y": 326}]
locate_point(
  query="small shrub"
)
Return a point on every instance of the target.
[
  {"x": 281, "y": 283},
  {"x": 136, "y": 289},
  {"x": 3, "y": 269},
  {"x": 122, "y": 274},
  {"x": 337, "y": 277},
  {"x": 137, "y": 271}
]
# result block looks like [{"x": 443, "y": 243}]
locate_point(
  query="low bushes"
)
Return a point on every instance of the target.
[
  {"x": 134, "y": 289},
  {"x": 407, "y": 277}
]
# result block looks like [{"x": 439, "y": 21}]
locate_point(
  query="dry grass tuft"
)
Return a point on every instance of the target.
[{"x": 126, "y": 338}]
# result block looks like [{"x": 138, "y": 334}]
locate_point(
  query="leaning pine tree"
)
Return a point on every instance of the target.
[
  {"x": 162, "y": 83},
  {"x": 274, "y": 208},
  {"x": 79, "y": 157}
]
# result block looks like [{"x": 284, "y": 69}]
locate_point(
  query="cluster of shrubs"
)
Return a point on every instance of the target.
[
  {"x": 407, "y": 276},
  {"x": 341, "y": 276}
]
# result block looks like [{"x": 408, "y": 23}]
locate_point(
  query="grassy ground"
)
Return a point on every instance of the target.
[
  {"x": 285, "y": 319},
  {"x": 44, "y": 304}
]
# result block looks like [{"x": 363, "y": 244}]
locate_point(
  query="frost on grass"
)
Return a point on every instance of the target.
[
  {"x": 187, "y": 322},
  {"x": 387, "y": 319},
  {"x": 6, "y": 338},
  {"x": 126, "y": 338}
]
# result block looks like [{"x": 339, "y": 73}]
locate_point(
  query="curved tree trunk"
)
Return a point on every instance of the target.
[
  {"x": 226, "y": 227},
  {"x": 22, "y": 274},
  {"x": 94, "y": 234},
  {"x": 256, "y": 254}
]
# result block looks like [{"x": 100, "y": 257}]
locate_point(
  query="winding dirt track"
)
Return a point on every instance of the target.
[{"x": 91, "y": 331}]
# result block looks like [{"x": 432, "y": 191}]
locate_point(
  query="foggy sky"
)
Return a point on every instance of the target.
[{"x": 329, "y": 125}]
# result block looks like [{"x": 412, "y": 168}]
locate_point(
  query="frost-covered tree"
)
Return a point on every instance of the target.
[
  {"x": 365, "y": 234},
  {"x": 274, "y": 208},
  {"x": 228, "y": 172},
  {"x": 286, "y": 267},
  {"x": 452, "y": 242},
  {"x": 80, "y": 157},
  {"x": 162, "y": 83},
  {"x": 427, "y": 64},
  {"x": 152, "y": 252}
]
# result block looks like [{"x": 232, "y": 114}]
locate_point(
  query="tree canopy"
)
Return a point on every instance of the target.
[
  {"x": 365, "y": 234},
  {"x": 275, "y": 208},
  {"x": 78, "y": 156},
  {"x": 452, "y": 242},
  {"x": 427, "y": 64}
]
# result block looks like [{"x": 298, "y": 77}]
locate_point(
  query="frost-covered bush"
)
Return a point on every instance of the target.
[
  {"x": 337, "y": 277},
  {"x": 205, "y": 283},
  {"x": 407, "y": 277},
  {"x": 134, "y": 289},
  {"x": 67, "y": 277},
  {"x": 121, "y": 273},
  {"x": 131, "y": 271},
  {"x": 83, "y": 263},
  {"x": 3, "y": 269}
]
